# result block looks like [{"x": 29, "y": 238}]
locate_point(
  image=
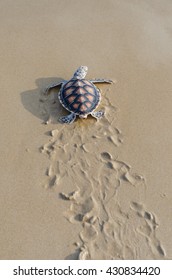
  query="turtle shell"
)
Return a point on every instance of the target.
[{"x": 79, "y": 96}]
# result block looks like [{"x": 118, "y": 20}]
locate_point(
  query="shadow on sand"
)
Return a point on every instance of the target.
[{"x": 40, "y": 105}]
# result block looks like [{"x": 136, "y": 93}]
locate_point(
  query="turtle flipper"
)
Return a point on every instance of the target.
[
  {"x": 96, "y": 81},
  {"x": 97, "y": 114},
  {"x": 48, "y": 88},
  {"x": 68, "y": 119}
]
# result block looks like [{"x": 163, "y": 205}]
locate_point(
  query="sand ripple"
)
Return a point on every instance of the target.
[{"x": 105, "y": 197}]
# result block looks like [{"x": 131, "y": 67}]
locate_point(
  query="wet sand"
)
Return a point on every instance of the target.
[{"x": 89, "y": 190}]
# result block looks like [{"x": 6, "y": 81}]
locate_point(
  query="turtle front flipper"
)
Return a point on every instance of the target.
[
  {"x": 68, "y": 119},
  {"x": 97, "y": 114},
  {"x": 99, "y": 81},
  {"x": 48, "y": 88}
]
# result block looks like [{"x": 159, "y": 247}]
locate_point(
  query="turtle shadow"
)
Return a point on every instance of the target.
[{"x": 40, "y": 105}]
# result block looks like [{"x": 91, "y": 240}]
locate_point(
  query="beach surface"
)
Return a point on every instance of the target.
[{"x": 92, "y": 189}]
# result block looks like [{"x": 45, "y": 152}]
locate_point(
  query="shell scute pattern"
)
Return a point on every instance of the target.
[{"x": 79, "y": 96}]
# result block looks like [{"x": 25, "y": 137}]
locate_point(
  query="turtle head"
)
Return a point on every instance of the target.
[{"x": 81, "y": 72}]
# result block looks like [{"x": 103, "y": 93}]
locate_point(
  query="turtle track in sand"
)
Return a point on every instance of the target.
[{"x": 85, "y": 170}]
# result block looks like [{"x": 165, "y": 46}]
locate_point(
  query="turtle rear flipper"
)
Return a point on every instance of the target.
[
  {"x": 68, "y": 119},
  {"x": 98, "y": 114}
]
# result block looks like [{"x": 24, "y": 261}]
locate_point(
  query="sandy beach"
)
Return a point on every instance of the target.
[{"x": 91, "y": 189}]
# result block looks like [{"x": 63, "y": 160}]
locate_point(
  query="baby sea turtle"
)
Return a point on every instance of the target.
[{"x": 79, "y": 96}]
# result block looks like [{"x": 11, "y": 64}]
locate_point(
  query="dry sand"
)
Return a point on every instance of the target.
[{"x": 89, "y": 190}]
